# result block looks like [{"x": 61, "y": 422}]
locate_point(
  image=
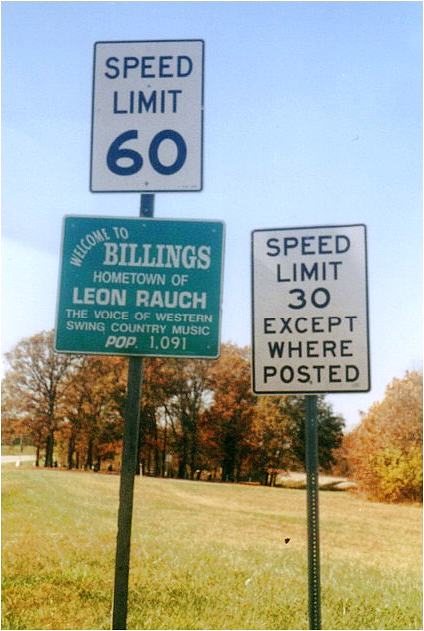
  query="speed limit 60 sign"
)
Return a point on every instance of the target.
[
  {"x": 310, "y": 310},
  {"x": 147, "y": 122}
]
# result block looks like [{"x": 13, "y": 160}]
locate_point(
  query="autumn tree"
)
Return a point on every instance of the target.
[
  {"x": 152, "y": 439},
  {"x": 93, "y": 406},
  {"x": 279, "y": 434},
  {"x": 272, "y": 440},
  {"x": 202, "y": 412},
  {"x": 384, "y": 452},
  {"x": 187, "y": 397},
  {"x": 12, "y": 426},
  {"x": 228, "y": 419},
  {"x": 35, "y": 385}
]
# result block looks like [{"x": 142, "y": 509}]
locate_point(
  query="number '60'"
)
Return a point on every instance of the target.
[{"x": 117, "y": 152}]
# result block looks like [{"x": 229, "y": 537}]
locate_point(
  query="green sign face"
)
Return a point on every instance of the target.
[{"x": 140, "y": 287}]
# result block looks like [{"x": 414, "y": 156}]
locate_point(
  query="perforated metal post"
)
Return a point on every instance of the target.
[{"x": 311, "y": 461}]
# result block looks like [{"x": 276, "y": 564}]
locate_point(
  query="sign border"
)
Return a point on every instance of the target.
[
  {"x": 202, "y": 107},
  {"x": 144, "y": 219},
  {"x": 317, "y": 391}
]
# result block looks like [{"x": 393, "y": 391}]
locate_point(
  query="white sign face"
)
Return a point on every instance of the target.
[
  {"x": 310, "y": 310},
  {"x": 147, "y": 121}
]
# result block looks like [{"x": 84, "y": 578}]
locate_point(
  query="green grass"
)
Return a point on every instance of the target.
[{"x": 204, "y": 556}]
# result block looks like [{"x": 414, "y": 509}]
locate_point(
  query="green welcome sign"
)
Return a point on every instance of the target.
[{"x": 140, "y": 287}]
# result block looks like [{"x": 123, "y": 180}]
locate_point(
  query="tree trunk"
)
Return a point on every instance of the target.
[
  {"x": 237, "y": 470},
  {"x": 37, "y": 456},
  {"x": 149, "y": 459},
  {"x": 71, "y": 449},
  {"x": 157, "y": 451},
  {"x": 181, "y": 469},
  {"x": 229, "y": 460},
  {"x": 48, "y": 460},
  {"x": 193, "y": 453},
  {"x": 182, "y": 461},
  {"x": 228, "y": 469},
  {"x": 89, "y": 458},
  {"x": 165, "y": 432}
]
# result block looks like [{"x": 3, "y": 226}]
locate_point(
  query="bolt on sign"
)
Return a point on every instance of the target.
[
  {"x": 140, "y": 287},
  {"x": 310, "y": 310},
  {"x": 147, "y": 119}
]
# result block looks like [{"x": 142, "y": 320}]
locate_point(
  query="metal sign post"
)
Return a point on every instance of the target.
[
  {"x": 128, "y": 468},
  {"x": 310, "y": 335},
  {"x": 126, "y": 493},
  {"x": 311, "y": 462}
]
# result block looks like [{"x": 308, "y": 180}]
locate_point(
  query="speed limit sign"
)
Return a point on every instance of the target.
[
  {"x": 310, "y": 310},
  {"x": 147, "y": 119}
]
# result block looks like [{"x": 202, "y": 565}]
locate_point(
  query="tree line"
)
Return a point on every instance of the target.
[
  {"x": 384, "y": 454},
  {"x": 198, "y": 418}
]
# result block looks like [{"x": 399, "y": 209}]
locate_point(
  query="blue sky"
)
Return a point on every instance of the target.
[{"x": 312, "y": 117}]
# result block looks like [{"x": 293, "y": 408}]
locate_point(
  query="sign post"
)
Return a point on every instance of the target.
[
  {"x": 312, "y": 467},
  {"x": 126, "y": 492},
  {"x": 128, "y": 469},
  {"x": 310, "y": 335}
]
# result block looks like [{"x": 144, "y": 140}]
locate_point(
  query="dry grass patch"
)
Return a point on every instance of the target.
[{"x": 204, "y": 556}]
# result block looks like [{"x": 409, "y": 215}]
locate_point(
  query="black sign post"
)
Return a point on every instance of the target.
[
  {"x": 126, "y": 493},
  {"x": 128, "y": 469}
]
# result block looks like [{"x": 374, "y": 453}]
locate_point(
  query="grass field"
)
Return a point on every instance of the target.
[
  {"x": 15, "y": 450},
  {"x": 204, "y": 556}
]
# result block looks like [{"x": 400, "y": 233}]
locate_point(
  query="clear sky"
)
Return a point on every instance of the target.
[{"x": 312, "y": 117}]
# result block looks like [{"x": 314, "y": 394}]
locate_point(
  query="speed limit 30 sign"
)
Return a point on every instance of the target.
[
  {"x": 310, "y": 310},
  {"x": 147, "y": 120}
]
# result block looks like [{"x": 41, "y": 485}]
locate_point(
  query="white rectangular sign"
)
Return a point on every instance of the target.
[
  {"x": 310, "y": 310},
  {"x": 147, "y": 120}
]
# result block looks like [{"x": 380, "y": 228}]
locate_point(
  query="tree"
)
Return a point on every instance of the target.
[
  {"x": 384, "y": 452},
  {"x": 269, "y": 437},
  {"x": 279, "y": 427},
  {"x": 35, "y": 386},
  {"x": 202, "y": 412},
  {"x": 93, "y": 409},
  {"x": 155, "y": 381},
  {"x": 229, "y": 418},
  {"x": 186, "y": 397}
]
